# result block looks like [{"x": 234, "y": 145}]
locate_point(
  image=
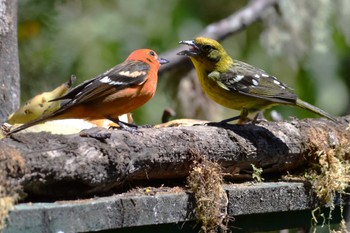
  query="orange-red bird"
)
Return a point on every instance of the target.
[{"x": 119, "y": 90}]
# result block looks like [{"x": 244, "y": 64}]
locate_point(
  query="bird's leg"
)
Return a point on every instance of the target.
[
  {"x": 124, "y": 125},
  {"x": 256, "y": 118},
  {"x": 223, "y": 122},
  {"x": 259, "y": 117},
  {"x": 243, "y": 117}
]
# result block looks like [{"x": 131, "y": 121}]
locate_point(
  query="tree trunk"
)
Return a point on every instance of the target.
[{"x": 9, "y": 64}]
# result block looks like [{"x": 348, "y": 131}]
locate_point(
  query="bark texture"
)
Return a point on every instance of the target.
[
  {"x": 69, "y": 166},
  {"x": 9, "y": 64}
]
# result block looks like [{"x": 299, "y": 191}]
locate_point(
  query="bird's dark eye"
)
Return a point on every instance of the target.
[
  {"x": 153, "y": 54},
  {"x": 207, "y": 47}
]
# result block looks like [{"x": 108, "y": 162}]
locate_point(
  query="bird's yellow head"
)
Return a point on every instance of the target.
[{"x": 207, "y": 53}]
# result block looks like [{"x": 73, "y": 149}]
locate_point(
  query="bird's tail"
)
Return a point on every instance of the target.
[
  {"x": 42, "y": 119},
  {"x": 318, "y": 111}
]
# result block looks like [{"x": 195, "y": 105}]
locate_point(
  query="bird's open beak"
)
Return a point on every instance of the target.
[
  {"x": 163, "y": 61},
  {"x": 193, "y": 51}
]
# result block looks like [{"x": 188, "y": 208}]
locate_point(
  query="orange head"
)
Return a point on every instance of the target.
[{"x": 148, "y": 56}]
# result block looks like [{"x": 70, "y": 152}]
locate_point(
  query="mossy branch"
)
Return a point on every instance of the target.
[{"x": 64, "y": 166}]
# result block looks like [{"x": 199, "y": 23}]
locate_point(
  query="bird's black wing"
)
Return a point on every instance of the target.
[
  {"x": 255, "y": 82},
  {"x": 124, "y": 75}
]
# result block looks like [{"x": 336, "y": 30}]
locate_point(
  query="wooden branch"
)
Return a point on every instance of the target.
[
  {"x": 66, "y": 166},
  {"x": 221, "y": 29},
  {"x": 9, "y": 64}
]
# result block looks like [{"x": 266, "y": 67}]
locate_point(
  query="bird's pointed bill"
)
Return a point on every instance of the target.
[
  {"x": 163, "y": 61},
  {"x": 193, "y": 51}
]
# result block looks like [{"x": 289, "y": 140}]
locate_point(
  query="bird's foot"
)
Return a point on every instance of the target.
[
  {"x": 223, "y": 122},
  {"x": 258, "y": 118},
  {"x": 131, "y": 128}
]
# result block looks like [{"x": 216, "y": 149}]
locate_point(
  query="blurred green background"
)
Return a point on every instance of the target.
[{"x": 303, "y": 43}]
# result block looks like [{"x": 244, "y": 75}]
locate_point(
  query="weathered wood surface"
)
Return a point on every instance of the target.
[
  {"x": 70, "y": 166},
  {"x": 168, "y": 206}
]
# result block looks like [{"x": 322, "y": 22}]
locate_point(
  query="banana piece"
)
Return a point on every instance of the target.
[{"x": 39, "y": 105}]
